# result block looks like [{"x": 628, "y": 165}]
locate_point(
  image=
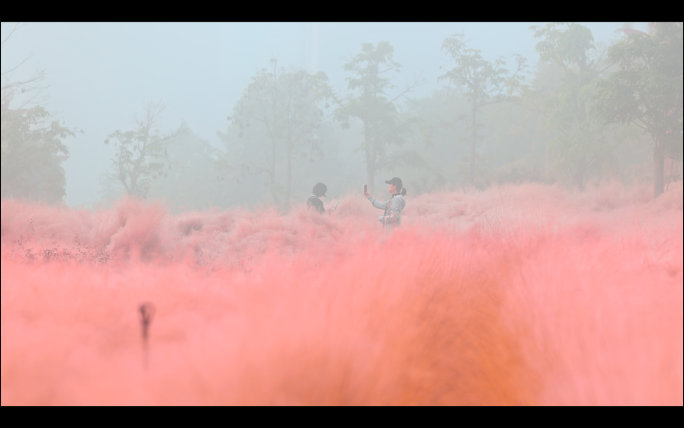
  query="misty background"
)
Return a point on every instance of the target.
[{"x": 99, "y": 75}]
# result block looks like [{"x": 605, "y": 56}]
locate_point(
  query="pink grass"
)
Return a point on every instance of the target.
[{"x": 516, "y": 295}]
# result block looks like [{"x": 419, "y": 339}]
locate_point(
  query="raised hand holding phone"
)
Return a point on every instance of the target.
[
  {"x": 365, "y": 191},
  {"x": 332, "y": 210}
]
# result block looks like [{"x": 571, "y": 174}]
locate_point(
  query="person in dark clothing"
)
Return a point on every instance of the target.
[{"x": 314, "y": 201}]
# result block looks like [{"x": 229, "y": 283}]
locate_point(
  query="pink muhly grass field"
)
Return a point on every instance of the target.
[{"x": 518, "y": 295}]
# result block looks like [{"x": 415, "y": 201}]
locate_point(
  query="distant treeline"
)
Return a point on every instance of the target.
[{"x": 584, "y": 114}]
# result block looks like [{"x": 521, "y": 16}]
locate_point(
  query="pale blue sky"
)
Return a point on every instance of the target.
[{"x": 101, "y": 73}]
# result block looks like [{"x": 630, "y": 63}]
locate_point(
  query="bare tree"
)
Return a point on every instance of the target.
[
  {"x": 32, "y": 140},
  {"x": 141, "y": 154},
  {"x": 30, "y": 87}
]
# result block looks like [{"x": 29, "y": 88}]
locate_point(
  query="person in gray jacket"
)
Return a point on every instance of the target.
[{"x": 394, "y": 206}]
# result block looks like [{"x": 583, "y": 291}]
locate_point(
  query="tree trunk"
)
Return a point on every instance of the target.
[
  {"x": 370, "y": 162},
  {"x": 289, "y": 177},
  {"x": 658, "y": 172},
  {"x": 134, "y": 182},
  {"x": 579, "y": 176},
  {"x": 370, "y": 177},
  {"x": 546, "y": 160},
  {"x": 272, "y": 174},
  {"x": 473, "y": 147}
]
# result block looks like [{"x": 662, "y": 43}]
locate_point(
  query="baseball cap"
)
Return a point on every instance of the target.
[{"x": 396, "y": 181}]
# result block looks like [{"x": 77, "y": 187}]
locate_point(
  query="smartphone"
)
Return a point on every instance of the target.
[{"x": 365, "y": 189}]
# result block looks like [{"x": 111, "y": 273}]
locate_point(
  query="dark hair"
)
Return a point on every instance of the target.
[
  {"x": 319, "y": 189},
  {"x": 403, "y": 191}
]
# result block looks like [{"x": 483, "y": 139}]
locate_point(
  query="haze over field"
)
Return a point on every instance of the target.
[
  {"x": 101, "y": 74},
  {"x": 158, "y": 246}
]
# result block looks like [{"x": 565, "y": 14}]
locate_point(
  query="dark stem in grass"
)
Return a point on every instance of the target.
[{"x": 147, "y": 311}]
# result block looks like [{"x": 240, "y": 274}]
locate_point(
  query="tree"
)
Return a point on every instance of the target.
[
  {"x": 141, "y": 154},
  {"x": 567, "y": 50},
  {"x": 30, "y": 88},
  {"x": 285, "y": 105},
  {"x": 32, "y": 140},
  {"x": 190, "y": 181},
  {"x": 646, "y": 90},
  {"x": 31, "y": 147},
  {"x": 367, "y": 102},
  {"x": 483, "y": 83}
]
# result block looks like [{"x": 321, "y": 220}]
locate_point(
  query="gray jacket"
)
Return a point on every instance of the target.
[{"x": 393, "y": 209}]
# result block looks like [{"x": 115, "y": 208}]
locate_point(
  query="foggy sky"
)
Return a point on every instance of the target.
[{"x": 100, "y": 74}]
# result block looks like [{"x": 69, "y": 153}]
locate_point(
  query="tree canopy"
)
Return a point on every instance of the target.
[
  {"x": 369, "y": 102},
  {"x": 141, "y": 154},
  {"x": 32, "y": 150},
  {"x": 482, "y": 82},
  {"x": 280, "y": 109},
  {"x": 646, "y": 90},
  {"x": 580, "y": 143}
]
